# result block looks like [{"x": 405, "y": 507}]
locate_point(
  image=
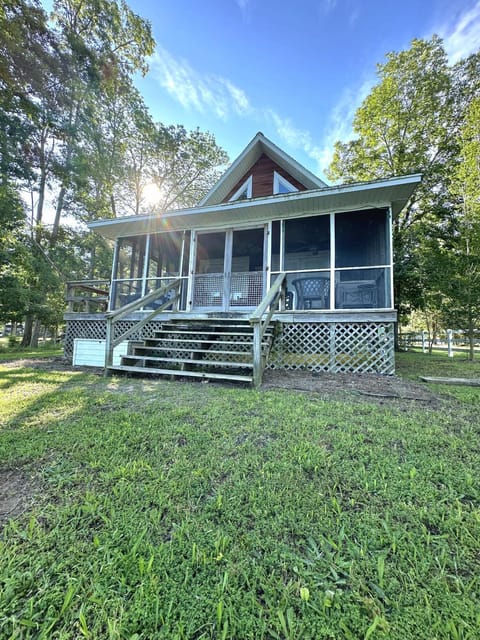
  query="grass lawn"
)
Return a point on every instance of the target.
[
  {"x": 47, "y": 348},
  {"x": 157, "y": 509}
]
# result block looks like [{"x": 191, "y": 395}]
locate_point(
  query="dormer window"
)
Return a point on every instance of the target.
[
  {"x": 281, "y": 184},
  {"x": 244, "y": 192}
]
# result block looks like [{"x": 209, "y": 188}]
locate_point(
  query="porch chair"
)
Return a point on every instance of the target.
[
  {"x": 312, "y": 292},
  {"x": 362, "y": 294}
]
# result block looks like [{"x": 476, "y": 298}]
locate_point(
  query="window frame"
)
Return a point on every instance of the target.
[
  {"x": 247, "y": 185},
  {"x": 278, "y": 180}
]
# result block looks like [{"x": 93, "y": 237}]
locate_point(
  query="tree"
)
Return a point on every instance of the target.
[
  {"x": 181, "y": 166},
  {"x": 105, "y": 43},
  {"x": 410, "y": 122},
  {"x": 463, "y": 285},
  {"x": 73, "y": 126},
  {"x": 14, "y": 257}
]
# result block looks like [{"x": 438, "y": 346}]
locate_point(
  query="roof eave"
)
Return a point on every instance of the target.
[{"x": 392, "y": 192}]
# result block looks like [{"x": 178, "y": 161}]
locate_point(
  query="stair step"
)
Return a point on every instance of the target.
[
  {"x": 203, "y": 363},
  {"x": 195, "y": 340},
  {"x": 207, "y": 325},
  {"x": 165, "y": 343},
  {"x": 206, "y": 332},
  {"x": 141, "y": 349},
  {"x": 183, "y": 374}
]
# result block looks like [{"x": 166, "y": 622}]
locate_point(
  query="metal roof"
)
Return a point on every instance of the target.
[{"x": 391, "y": 192}]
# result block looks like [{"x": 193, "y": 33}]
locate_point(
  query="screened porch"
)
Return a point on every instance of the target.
[{"x": 333, "y": 262}]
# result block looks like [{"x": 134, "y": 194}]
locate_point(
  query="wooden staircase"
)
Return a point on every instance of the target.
[{"x": 214, "y": 348}]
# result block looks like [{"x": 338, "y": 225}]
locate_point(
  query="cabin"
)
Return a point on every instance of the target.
[{"x": 274, "y": 269}]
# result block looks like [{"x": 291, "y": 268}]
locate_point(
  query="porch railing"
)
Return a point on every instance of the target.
[
  {"x": 87, "y": 295},
  {"x": 112, "y": 317},
  {"x": 260, "y": 319}
]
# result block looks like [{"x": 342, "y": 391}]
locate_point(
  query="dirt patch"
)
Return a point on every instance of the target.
[
  {"x": 335, "y": 386},
  {"x": 56, "y": 363},
  {"x": 18, "y": 493},
  {"x": 328, "y": 385}
]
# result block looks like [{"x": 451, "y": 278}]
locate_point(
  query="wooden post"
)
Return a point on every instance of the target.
[
  {"x": 449, "y": 342},
  {"x": 332, "y": 355},
  {"x": 257, "y": 355},
  {"x": 109, "y": 345}
]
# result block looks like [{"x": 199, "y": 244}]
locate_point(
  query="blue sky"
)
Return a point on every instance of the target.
[{"x": 295, "y": 70}]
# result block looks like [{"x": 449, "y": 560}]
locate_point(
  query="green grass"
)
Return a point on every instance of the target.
[
  {"x": 413, "y": 363},
  {"x": 46, "y": 349},
  {"x": 176, "y": 510}
]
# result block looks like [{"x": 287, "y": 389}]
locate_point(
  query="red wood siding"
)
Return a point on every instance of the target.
[{"x": 262, "y": 172}]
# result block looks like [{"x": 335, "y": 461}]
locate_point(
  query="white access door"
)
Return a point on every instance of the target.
[{"x": 228, "y": 269}]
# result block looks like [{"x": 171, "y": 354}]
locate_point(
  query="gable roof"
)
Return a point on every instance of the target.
[{"x": 260, "y": 145}]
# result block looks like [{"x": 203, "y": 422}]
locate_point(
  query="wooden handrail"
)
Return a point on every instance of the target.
[
  {"x": 87, "y": 293},
  {"x": 268, "y": 300},
  {"x": 114, "y": 316},
  {"x": 260, "y": 322},
  {"x": 136, "y": 304}
]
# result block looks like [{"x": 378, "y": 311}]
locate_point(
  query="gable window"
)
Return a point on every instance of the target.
[
  {"x": 281, "y": 184},
  {"x": 244, "y": 191}
]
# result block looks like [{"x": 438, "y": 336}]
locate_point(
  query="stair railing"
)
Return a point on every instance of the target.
[
  {"x": 260, "y": 319},
  {"x": 114, "y": 316}
]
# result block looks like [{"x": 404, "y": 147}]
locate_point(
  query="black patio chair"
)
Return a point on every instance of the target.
[{"x": 312, "y": 292}]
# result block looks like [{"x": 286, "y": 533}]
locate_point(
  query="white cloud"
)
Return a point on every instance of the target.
[
  {"x": 197, "y": 91},
  {"x": 339, "y": 125},
  {"x": 245, "y": 9},
  {"x": 215, "y": 94},
  {"x": 326, "y": 6},
  {"x": 463, "y": 36},
  {"x": 296, "y": 138}
]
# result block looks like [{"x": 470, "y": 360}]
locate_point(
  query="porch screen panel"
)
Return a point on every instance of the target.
[
  {"x": 163, "y": 263},
  {"x": 208, "y": 290},
  {"x": 362, "y": 260},
  {"x": 307, "y": 243},
  {"x": 275, "y": 246},
  {"x": 307, "y": 263},
  {"x": 363, "y": 289},
  {"x": 361, "y": 239},
  {"x": 127, "y": 284},
  {"x": 246, "y": 284},
  {"x": 131, "y": 256}
]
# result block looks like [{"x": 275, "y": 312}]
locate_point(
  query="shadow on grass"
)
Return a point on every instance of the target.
[{"x": 61, "y": 393}]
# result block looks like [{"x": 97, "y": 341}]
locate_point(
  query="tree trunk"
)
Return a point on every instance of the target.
[
  {"x": 73, "y": 122},
  {"x": 43, "y": 178},
  {"x": 35, "y": 333},
  {"x": 58, "y": 214},
  {"x": 27, "y": 331}
]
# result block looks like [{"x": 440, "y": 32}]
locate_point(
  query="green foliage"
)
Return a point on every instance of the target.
[
  {"x": 169, "y": 510},
  {"x": 14, "y": 257},
  {"x": 412, "y": 121},
  {"x": 74, "y": 128},
  {"x": 461, "y": 255}
]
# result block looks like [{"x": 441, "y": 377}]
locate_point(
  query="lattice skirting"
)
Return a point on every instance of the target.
[
  {"x": 363, "y": 347},
  {"x": 97, "y": 330}
]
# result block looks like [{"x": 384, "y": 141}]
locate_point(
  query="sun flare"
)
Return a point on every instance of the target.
[{"x": 152, "y": 194}]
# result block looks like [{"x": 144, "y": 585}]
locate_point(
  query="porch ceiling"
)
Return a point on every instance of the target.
[{"x": 393, "y": 192}]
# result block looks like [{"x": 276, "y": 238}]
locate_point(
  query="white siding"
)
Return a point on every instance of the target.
[{"x": 91, "y": 353}]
